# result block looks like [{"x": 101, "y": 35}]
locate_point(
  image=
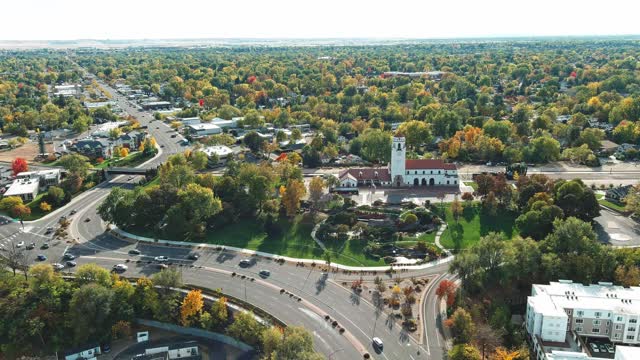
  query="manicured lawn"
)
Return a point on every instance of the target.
[
  {"x": 426, "y": 237},
  {"x": 134, "y": 159},
  {"x": 473, "y": 224},
  {"x": 612, "y": 205},
  {"x": 473, "y": 184},
  {"x": 294, "y": 241}
]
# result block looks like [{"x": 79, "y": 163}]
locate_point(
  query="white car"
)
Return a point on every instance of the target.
[
  {"x": 120, "y": 267},
  {"x": 20, "y": 244},
  {"x": 377, "y": 342},
  {"x": 161, "y": 258},
  {"x": 58, "y": 266}
]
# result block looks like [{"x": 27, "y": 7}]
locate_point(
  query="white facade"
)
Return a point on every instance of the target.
[
  {"x": 25, "y": 188},
  {"x": 190, "y": 121},
  {"x": 204, "y": 129},
  {"x": 348, "y": 181},
  {"x": 398, "y": 160}
]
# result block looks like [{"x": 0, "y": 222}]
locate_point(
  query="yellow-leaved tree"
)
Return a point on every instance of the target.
[{"x": 191, "y": 305}]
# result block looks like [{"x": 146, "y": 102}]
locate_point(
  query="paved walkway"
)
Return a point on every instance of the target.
[{"x": 438, "y": 244}]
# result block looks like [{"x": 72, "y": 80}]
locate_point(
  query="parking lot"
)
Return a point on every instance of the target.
[
  {"x": 616, "y": 229},
  {"x": 600, "y": 348}
]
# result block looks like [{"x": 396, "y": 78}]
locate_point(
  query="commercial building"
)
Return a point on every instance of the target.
[
  {"x": 190, "y": 121},
  {"x": 46, "y": 178},
  {"x": 226, "y": 124},
  {"x": 88, "y": 352},
  {"x": 74, "y": 90},
  {"x": 402, "y": 172},
  {"x": 204, "y": 129},
  {"x": 221, "y": 153},
  {"x": 155, "y": 105},
  {"x": 183, "y": 351},
  {"x": 564, "y": 318},
  {"x": 26, "y": 189},
  {"x": 104, "y": 129}
]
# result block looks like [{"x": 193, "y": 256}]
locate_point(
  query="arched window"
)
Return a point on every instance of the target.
[{"x": 399, "y": 146}]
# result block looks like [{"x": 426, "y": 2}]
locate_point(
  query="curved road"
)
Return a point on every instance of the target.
[{"x": 213, "y": 270}]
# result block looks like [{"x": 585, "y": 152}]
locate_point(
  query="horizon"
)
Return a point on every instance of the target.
[{"x": 119, "y": 20}]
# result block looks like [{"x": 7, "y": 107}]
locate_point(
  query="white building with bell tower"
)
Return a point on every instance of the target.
[{"x": 398, "y": 160}]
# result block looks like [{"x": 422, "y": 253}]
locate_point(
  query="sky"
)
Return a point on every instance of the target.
[{"x": 417, "y": 19}]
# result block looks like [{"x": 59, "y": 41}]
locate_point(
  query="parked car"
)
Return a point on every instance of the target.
[
  {"x": 193, "y": 256},
  {"x": 44, "y": 246},
  {"x": 20, "y": 244},
  {"x": 377, "y": 343},
  {"x": 73, "y": 211},
  {"x": 161, "y": 258},
  {"x": 594, "y": 348},
  {"x": 41, "y": 257},
  {"x": 31, "y": 246},
  {"x": 265, "y": 273},
  {"x": 49, "y": 230},
  {"x": 68, "y": 256},
  {"x": 71, "y": 263},
  {"x": 57, "y": 266},
  {"x": 610, "y": 348},
  {"x": 120, "y": 267},
  {"x": 245, "y": 263},
  {"x": 134, "y": 252},
  {"x": 87, "y": 220}
]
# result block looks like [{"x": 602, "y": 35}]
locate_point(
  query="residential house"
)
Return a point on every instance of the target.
[
  {"x": 93, "y": 148},
  {"x": 618, "y": 194}
]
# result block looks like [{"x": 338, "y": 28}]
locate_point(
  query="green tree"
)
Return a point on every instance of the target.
[
  {"x": 75, "y": 164},
  {"x": 89, "y": 313},
  {"x": 462, "y": 326},
  {"x": 92, "y": 273},
  {"x": 416, "y": 133},
  {"x": 542, "y": 149},
  {"x": 376, "y": 145},
  {"x": 245, "y": 328},
  {"x": 464, "y": 352}
]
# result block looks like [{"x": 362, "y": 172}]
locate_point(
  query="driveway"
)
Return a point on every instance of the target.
[{"x": 616, "y": 229}]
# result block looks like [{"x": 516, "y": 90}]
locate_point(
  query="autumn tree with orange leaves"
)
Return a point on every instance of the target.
[
  {"x": 191, "y": 305},
  {"x": 448, "y": 289}
]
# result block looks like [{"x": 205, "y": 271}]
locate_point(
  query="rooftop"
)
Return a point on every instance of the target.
[
  {"x": 203, "y": 126},
  {"x": 23, "y": 186},
  {"x": 218, "y": 150},
  {"x": 604, "y": 296},
  {"x": 428, "y": 164}
]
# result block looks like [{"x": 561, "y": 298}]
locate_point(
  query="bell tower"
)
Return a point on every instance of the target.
[{"x": 398, "y": 156}]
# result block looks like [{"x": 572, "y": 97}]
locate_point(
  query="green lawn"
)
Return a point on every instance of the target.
[
  {"x": 474, "y": 224},
  {"x": 133, "y": 159},
  {"x": 294, "y": 241},
  {"x": 473, "y": 184},
  {"x": 612, "y": 205}
]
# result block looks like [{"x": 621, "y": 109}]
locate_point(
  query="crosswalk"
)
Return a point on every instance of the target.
[{"x": 5, "y": 242}]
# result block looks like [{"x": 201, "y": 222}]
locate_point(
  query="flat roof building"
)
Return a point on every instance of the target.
[
  {"x": 204, "y": 129},
  {"x": 26, "y": 189},
  {"x": 564, "y": 312}
]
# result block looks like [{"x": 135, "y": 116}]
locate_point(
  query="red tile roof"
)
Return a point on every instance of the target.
[
  {"x": 428, "y": 164},
  {"x": 368, "y": 174}
]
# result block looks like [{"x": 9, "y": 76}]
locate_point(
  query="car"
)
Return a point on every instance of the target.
[
  {"x": 157, "y": 127},
  {"x": 130, "y": 178},
  {"x": 594, "y": 348},
  {"x": 87, "y": 220},
  {"x": 41, "y": 257},
  {"x": 20, "y": 244},
  {"x": 49, "y": 230},
  {"x": 162, "y": 145},
  {"x": 174, "y": 135},
  {"x": 245, "y": 263},
  {"x": 68, "y": 256},
  {"x": 602, "y": 348},
  {"x": 106, "y": 348},
  {"x": 264, "y": 273},
  {"x": 610, "y": 348},
  {"x": 134, "y": 252},
  {"x": 44, "y": 246},
  {"x": 31, "y": 246},
  {"x": 120, "y": 267},
  {"x": 193, "y": 256},
  {"x": 161, "y": 258},
  {"x": 57, "y": 266},
  {"x": 377, "y": 343},
  {"x": 163, "y": 266},
  {"x": 71, "y": 263},
  {"x": 73, "y": 211}
]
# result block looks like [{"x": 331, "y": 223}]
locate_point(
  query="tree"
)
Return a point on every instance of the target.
[
  {"x": 376, "y": 145},
  {"x": 504, "y": 354},
  {"x": 55, "y": 195},
  {"x": 456, "y": 208},
  {"x": 168, "y": 278},
  {"x": 89, "y": 312},
  {"x": 92, "y": 273},
  {"x": 464, "y": 352},
  {"x": 543, "y": 149},
  {"x": 20, "y": 211},
  {"x": 195, "y": 205},
  {"x": 270, "y": 339},
  {"x": 627, "y": 275},
  {"x": 45, "y": 206},
  {"x": 316, "y": 188},
  {"x": 416, "y": 133},
  {"x": 75, "y": 164},
  {"x": 462, "y": 326},
  {"x": 121, "y": 330},
  {"x": 19, "y": 165},
  {"x": 447, "y": 289},
  {"x": 124, "y": 152},
  {"x": 219, "y": 313},
  {"x": 199, "y": 160},
  {"x": 254, "y": 142},
  {"x": 245, "y": 328},
  {"x": 10, "y": 203},
  {"x": 576, "y": 199},
  {"x": 191, "y": 306},
  {"x": 293, "y": 193},
  {"x": 145, "y": 298}
]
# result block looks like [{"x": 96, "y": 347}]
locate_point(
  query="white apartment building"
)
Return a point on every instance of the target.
[{"x": 561, "y": 314}]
